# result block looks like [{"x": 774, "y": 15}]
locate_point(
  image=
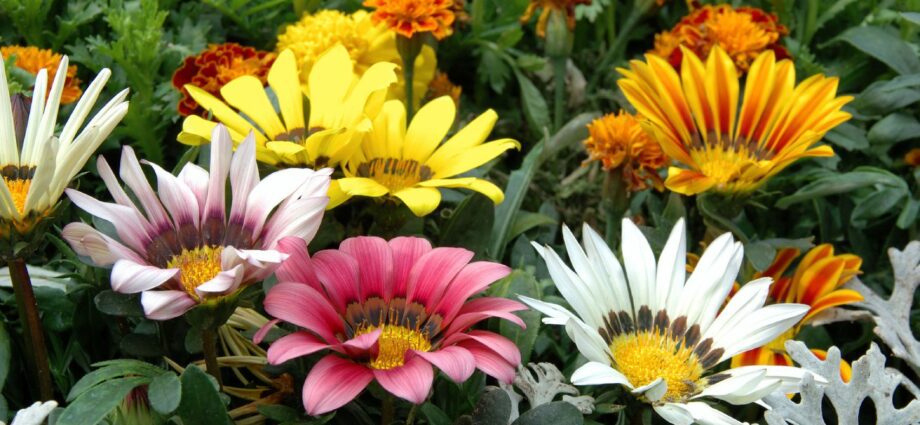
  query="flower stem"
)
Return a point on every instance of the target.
[
  {"x": 559, "y": 65},
  {"x": 408, "y": 76},
  {"x": 409, "y": 49},
  {"x": 209, "y": 348},
  {"x": 388, "y": 410},
  {"x": 411, "y": 418},
  {"x": 37, "y": 359}
]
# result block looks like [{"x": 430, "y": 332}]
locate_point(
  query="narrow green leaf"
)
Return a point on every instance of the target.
[
  {"x": 894, "y": 128},
  {"x": 535, "y": 108},
  {"x": 94, "y": 405},
  {"x": 518, "y": 183},
  {"x": 5, "y": 355},
  {"x": 435, "y": 415},
  {"x": 526, "y": 220},
  {"x": 840, "y": 183},
  {"x": 112, "y": 369},
  {"x": 885, "y": 45}
]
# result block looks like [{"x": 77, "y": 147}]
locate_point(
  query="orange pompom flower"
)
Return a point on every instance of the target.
[
  {"x": 743, "y": 33},
  {"x": 620, "y": 143},
  {"x": 32, "y": 59},
  {"x": 567, "y": 6},
  {"x": 912, "y": 157},
  {"x": 817, "y": 283},
  {"x": 216, "y": 66},
  {"x": 410, "y": 17},
  {"x": 442, "y": 86}
]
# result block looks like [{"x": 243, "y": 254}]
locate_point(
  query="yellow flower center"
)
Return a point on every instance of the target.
[
  {"x": 395, "y": 174},
  {"x": 196, "y": 266},
  {"x": 19, "y": 189},
  {"x": 737, "y": 33},
  {"x": 314, "y": 34},
  {"x": 393, "y": 343},
  {"x": 729, "y": 162},
  {"x": 647, "y": 356}
]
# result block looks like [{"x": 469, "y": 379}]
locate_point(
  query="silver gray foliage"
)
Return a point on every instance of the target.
[{"x": 540, "y": 385}]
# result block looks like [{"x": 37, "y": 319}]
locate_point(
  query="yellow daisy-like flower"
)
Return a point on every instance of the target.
[
  {"x": 410, "y": 164},
  {"x": 33, "y": 59},
  {"x": 620, "y": 143},
  {"x": 696, "y": 119},
  {"x": 367, "y": 44}
]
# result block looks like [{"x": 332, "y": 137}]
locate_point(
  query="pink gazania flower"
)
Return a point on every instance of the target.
[
  {"x": 388, "y": 311},
  {"x": 183, "y": 248}
]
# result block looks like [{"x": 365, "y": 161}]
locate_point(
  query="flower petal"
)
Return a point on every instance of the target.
[
  {"x": 406, "y": 252},
  {"x": 165, "y": 305},
  {"x": 456, "y": 362},
  {"x": 332, "y": 383},
  {"x": 375, "y": 265},
  {"x": 421, "y": 200},
  {"x": 597, "y": 373},
  {"x": 129, "y": 277},
  {"x": 305, "y": 307},
  {"x": 294, "y": 345},
  {"x": 411, "y": 381}
]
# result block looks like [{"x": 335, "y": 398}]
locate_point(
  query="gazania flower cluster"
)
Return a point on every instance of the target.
[
  {"x": 33, "y": 59},
  {"x": 180, "y": 246},
  {"x": 388, "y": 311},
  {"x": 36, "y": 164},
  {"x": 653, "y": 330},
  {"x": 816, "y": 283},
  {"x": 218, "y": 65},
  {"x": 367, "y": 43},
  {"x": 411, "y": 163},
  {"x": 744, "y": 33},
  {"x": 411, "y": 17},
  {"x": 696, "y": 118},
  {"x": 548, "y": 6},
  {"x": 620, "y": 143}
]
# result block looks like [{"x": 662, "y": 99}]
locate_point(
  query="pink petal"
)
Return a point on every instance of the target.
[
  {"x": 224, "y": 283},
  {"x": 493, "y": 341},
  {"x": 263, "y": 331},
  {"x": 489, "y": 362},
  {"x": 129, "y": 277},
  {"x": 432, "y": 273},
  {"x": 165, "y": 305},
  {"x": 221, "y": 152},
  {"x": 411, "y": 381},
  {"x": 474, "y": 278},
  {"x": 305, "y": 307},
  {"x": 103, "y": 250},
  {"x": 359, "y": 346},
  {"x": 338, "y": 273},
  {"x": 196, "y": 178},
  {"x": 406, "y": 252},
  {"x": 300, "y": 218},
  {"x": 133, "y": 176},
  {"x": 178, "y": 199},
  {"x": 456, "y": 362},
  {"x": 332, "y": 383},
  {"x": 298, "y": 267},
  {"x": 375, "y": 261},
  {"x": 114, "y": 187},
  {"x": 269, "y": 193},
  {"x": 244, "y": 176},
  {"x": 483, "y": 308},
  {"x": 297, "y": 344},
  {"x": 124, "y": 219}
]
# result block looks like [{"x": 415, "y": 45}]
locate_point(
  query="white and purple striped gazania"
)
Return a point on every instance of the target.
[{"x": 180, "y": 246}]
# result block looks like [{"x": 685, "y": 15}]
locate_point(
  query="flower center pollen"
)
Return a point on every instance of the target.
[
  {"x": 196, "y": 266},
  {"x": 393, "y": 344},
  {"x": 19, "y": 189},
  {"x": 395, "y": 173},
  {"x": 647, "y": 356}
]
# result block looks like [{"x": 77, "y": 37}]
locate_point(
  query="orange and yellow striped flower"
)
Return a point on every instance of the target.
[
  {"x": 620, "y": 143},
  {"x": 743, "y": 33},
  {"x": 410, "y": 17},
  {"x": 32, "y": 59},
  {"x": 816, "y": 282},
  {"x": 695, "y": 116},
  {"x": 548, "y": 6}
]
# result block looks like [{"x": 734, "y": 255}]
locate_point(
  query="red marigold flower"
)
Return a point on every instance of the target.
[
  {"x": 408, "y": 17},
  {"x": 387, "y": 311},
  {"x": 216, "y": 66},
  {"x": 32, "y": 59}
]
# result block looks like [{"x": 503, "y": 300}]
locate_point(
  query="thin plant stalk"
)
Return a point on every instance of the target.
[
  {"x": 209, "y": 349},
  {"x": 559, "y": 69},
  {"x": 409, "y": 77},
  {"x": 387, "y": 410},
  {"x": 37, "y": 356}
]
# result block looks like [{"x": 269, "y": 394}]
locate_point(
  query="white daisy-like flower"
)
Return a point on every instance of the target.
[{"x": 657, "y": 332}]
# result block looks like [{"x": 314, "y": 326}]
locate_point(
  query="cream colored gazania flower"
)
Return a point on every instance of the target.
[{"x": 37, "y": 165}]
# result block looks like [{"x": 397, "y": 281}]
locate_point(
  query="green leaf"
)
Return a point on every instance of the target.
[
  {"x": 535, "y": 109},
  {"x": 885, "y": 45},
  {"x": 515, "y": 191},
  {"x": 520, "y": 282},
  {"x": 116, "y": 304},
  {"x": 882, "y": 97},
  {"x": 555, "y": 413},
  {"x": 839, "y": 183},
  {"x": 876, "y": 205},
  {"x": 165, "y": 392},
  {"x": 470, "y": 224},
  {"x": 832, "y": 11},
  {"x": 908, "y": 215},
  {"x": 278, "y": 412},
  {"x": 201, "y": 404},
  {"x": 112, "y": 369},
  {"x": 494, "y": 69},
  {"x": 5, "y": 355},
  {"x": 571, "y": 134},
  {"x": 848, "y": 136},
  {"x": 494, "y": 408},
  {"x": 435, "y": 415},
  {"x": 894, "y": 128},
  {"x": 510, "y": 37},
  {"x": 526, "y": 220},
  {"x": 912, "y": 17},
  {"x": 95, "y": 404},
  {"x": 531, "y": 63}
]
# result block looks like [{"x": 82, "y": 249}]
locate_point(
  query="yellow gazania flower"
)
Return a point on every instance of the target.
[
  {"x": 696, "y": 119},
  {"x": 367, "y": 44},
  {"x": 410, "y": 164},
  {"x": 817, "y": 283},
  {"x": 340, "y": 106}
]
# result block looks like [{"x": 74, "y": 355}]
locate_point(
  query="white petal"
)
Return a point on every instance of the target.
[
  {"x": 178, "y": 198},
  {"x": 83, "y": 108},
  {"x": 101, "y": 249},
  {"x": 654, "y": 390},
  {"x": 53, "y": 102},
  {"x": 597, "y": 373},
  {"x": 123, "y": 218},
  {"x": 589, "y": 342},
  {"x": 300, "y": 218},
  {"x": 196, "y": 178},
  {"x": 672, "y": 268},
  {"x": 9, "y": 152},
  {"x": 221, "y": 151},
  {"x": 39, "y": 196},
  {"x": 571, "y": 287},
  {"x": 244, "y": 176},
  {"x": 72, "y": 158},
  {"x": 705, "y": 414},
  {"x": 599, "y": 292},
  {"x": 556, "y": 314},
  {"x": 599, "y": 253},
  {"x": 674, "y": 414},
  {"x": 165, "y": 305},
  {"x": 133, "y": 176},
  {"x": 129, "y": 277},
  {"x": 225, "y": 282},
  {"x": 640, "y": 266},
  {"x": 719, "y": 292},
  {"x": 704, "y": 282},
  {"x": 30, "y": 143},
  {"x": 760, "y": 327},
  {"x": 749, "y": 299}
]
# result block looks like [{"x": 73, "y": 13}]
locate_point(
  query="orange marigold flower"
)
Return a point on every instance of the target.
[
  {"x": 32, "y": 59},
  {"x": 816, "y": 282},
  {"x": 408, "y": 17},
  {"x": 620, "y": 143},
  {"x": 218, "y": 65},
  {"x": 912, "y": 157},
  {"x": 743, "y": 33},
  {"x": 442, "y": 86},
  {"x": 567, "y": 6}
]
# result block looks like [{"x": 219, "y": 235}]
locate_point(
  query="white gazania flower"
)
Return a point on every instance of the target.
[
  {"x": 183, "y": 247},
  {"x": 37, "y": 165},
  {"x": 657, "y": 333}
]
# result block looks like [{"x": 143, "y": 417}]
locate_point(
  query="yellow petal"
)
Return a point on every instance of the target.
[
  {"x": 285, "y": 84},
  {"x": 428, "y": 128},
  {"x": 361, "y": 100},
  {"x": 331, "y": 77},
  {"x": 471, "y": 158},
  {"x": 421, "y": 200},
  {"x": 247, "y": 94},
  {"x": 222, "y": 112},
  {"x": 484, "y": 187},
  {"x": 362, "y": 186},
  {"x": 687, "y": 182},
  {"x": 336, "y": 195},
  {"x": 471, "y": 135}
]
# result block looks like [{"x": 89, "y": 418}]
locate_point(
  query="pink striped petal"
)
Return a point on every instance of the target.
[
  {"x": 456, "y": 362},
  {"x": 411, "y": 381},
  {"x": 432, "y": 273},
  {"x": 196, "y": 178},
  {"x": 124, "y": 219},
  {"x": 270, "y": 192},
  {"x": 375, "y": 264},
  {"x": 483, "y": 308},
  {"x": 475, "y": 277},
  {"x": 489, "y": 362},
  {"x": 221, "y": 152},
  {"x": 165, "y": 305},
  {"x": 129, "y": 277},
  {"x": 300, "y": 218},
  {"x": 493, "y": 341},
  {"x": 244, "y": 176},
  {"x": 133, "y": 176},
  {"x": 264, "y": 330},
  {"x": 178, "y": 199},
  {"x": 332, "y": 383},
  {"x": 406, "y": 252},
  {"x": 305, "y": 307},
  {"x": 103, "y": 250},
  {"x": 360, "y": 345},
  {"x": 338, "y": 273},
  {"x": 114, "y": 187},
  {"x": 225, "y": 282},
  {"x": 298, "y": 267},
  {"x": 294, "y": 345}
]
